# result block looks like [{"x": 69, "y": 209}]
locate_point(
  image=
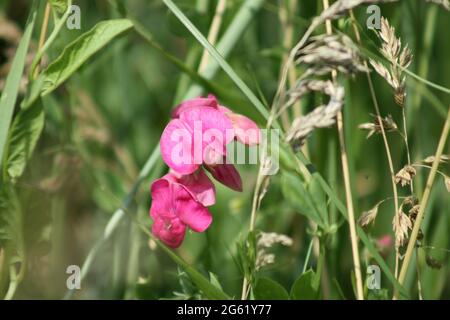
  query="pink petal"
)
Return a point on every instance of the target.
[
  {"x": 210, "y": 101},
  {"x": 199, "y": 185},
  {"x": 177, "y": 147},
  {"x": 192, "y": 213},
  {"x": 210, "y": 127},
  {"x": 226, "y": 174},
  {"x": 171, "y": 231},
  {"x": 246, "y": 131},
  {"x": 161, "y": 199}
]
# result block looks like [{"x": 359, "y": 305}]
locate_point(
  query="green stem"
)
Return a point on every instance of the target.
[
  {"x": 424, "y": 202},
  {"x": 50, "y": 39}
]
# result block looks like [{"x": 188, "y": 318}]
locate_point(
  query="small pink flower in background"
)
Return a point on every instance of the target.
[
  {"x": 196, "y": 137},
  {"x": 385, "y": 242}
]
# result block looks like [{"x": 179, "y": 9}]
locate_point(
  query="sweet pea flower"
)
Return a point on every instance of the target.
[
  {"x": 199, "y": 135},
  {"x": 176, "y": 206},
  {"x": 228, "y": 125},
  {"x": 245, "y": 130},
  {"x": 196, "y": 138}
]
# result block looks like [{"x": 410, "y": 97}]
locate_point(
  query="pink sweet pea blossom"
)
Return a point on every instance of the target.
[
  {"x": 196, "y": 137},
  {"x": 245, "y": 130},
  {"x": 176, "y": 206},
  {"x": 218, "y": 117}
]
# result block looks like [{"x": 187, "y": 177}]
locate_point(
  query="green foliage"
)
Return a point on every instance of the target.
[
  {"x": 307, "y": 198},
  {"x": 80, "y": 50},
  {"x": 11, "y": 224},
  {"x": 24, "y": 134},
  {"x": 306, "y": 287},
  {"x": 96, "y": 152},
  {"x": 268, "y": 289},
  {"x": 11, "y": 90},
  {"x": 59, "y": 6}
]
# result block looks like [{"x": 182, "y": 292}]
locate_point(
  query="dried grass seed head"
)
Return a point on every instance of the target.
[
  {"x": 388, "y": 124},
  {"x": 320, "y": 117},
  {"x": 405, "y": 175},
  {"x": 401, "y": 224},
  {"x": 330, "y": 52}
]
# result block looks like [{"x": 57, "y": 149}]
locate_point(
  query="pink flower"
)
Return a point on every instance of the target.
[
  {"x": 197, "y": 136},
  {"x": 245, "y": 130},
  {"x": 181, "y": 155},
  {"x": 176, "y": 206}
]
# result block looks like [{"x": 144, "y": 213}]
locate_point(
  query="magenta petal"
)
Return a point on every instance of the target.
[
  {"x": 171, "y": 231},
  {"x": 200, "y": 186},
  {"x": 161, "y": 199},
  {"x": 192, "y": 213},
  {"x": 177, "y": 147},
  {"x": 210, "y": 101},
  {"x": 226, "y": 174},
  {"x": 211, "y": 130},
  {"x": 246, "y": 131}
]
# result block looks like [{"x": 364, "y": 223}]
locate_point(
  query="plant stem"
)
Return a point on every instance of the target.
[
  {"x": 383, "y": 133},
  {"x": 348, "y": 190},
  {"x": 228, "y": 41},
  {"x": 213, "y": 32},
  {"x": 59, "y": 24},
  {"x": 43, "y": 33},
  {"x": 424, "y": 202}
]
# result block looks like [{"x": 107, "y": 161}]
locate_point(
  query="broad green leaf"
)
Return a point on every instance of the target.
[
  {"x": 11, "y": 235},
  {"x": 306, "y": 287},
  {"x": 24, "y": 134},
  {"x": 298, "y": 196},
  {"x": 267, "y": 289},
  {"x": 80, "y": 50},
  {"x": 11, "y": 89}
]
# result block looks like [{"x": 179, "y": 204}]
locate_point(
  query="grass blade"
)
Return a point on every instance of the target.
[{"x": 11, "y": 90}]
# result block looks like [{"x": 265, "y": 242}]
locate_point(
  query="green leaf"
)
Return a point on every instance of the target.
[
  {"x": 210, "y": 290},
  {"x": 80, "y": 50},
  {"x": 214, "y": 280},
  {"x": 24, "y": 134},
  {"x": 319, "y": 199},
  {"x": 298, "y": 196},
  {"x": 306, "y": 287},
  {"x": 267, "y": 289},
  {"x": 362, "y": 235},
  {"x": 11, "y": 89},
  {"x": 11, "y": 235},
  {"x": 59, "y": 6}
]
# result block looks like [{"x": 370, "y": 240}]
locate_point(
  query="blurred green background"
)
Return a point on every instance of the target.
[{"x": 104, "y": 122}]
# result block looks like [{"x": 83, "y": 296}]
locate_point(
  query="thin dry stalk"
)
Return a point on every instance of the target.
[
  {"x": 383, "y": 133},
  {"x": 348, "y": 192},
  {"x": 424, "y": 202},
  {"x": 213, "y": 31},
  {"x": 43, "y": 33}
]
